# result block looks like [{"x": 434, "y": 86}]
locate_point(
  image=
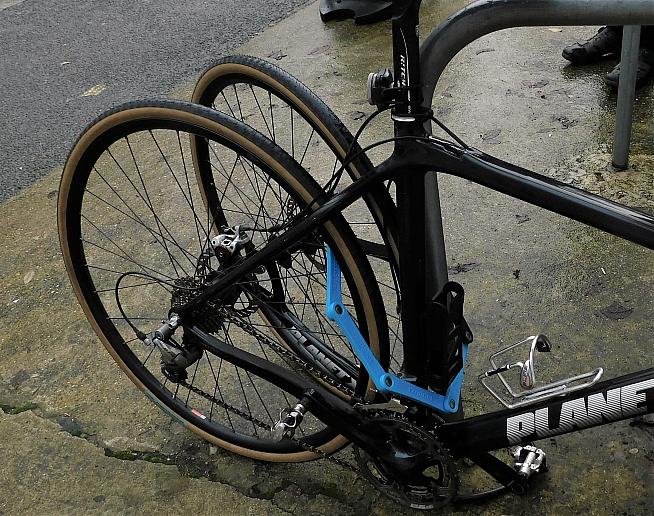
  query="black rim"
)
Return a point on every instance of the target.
[
  {"x": 183, "y": 406},
  {"x": 270, "y": 112}
]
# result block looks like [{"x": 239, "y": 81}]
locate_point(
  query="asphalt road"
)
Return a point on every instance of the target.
[{"x": 62, "y": 62}]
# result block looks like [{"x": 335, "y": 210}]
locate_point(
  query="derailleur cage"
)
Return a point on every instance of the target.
[{"x": 175, "y": 357}]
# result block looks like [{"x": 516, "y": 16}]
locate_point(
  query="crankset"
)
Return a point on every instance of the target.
[{"x": 416, "y": 470}]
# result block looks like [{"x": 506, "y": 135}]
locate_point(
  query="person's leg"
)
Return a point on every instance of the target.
[
  {"x": 645, "y": 61},
  {"x": 607, "y": 42}
]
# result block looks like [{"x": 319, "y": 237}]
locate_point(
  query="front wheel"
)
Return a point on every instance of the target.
[
  {"x": 138, "y": 241},
  {"x": 282, "y": 108}
]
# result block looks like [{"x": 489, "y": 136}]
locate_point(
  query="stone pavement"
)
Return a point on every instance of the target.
[{"x": 77, "y": 437}]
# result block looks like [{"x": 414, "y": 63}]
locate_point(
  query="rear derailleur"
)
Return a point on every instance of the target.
[{"x": 175, "y": 357}]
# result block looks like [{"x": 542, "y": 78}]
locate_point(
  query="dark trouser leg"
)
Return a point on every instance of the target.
[
  {"x": 645, "y": 60},
  {"x": 647, "y": 37}
]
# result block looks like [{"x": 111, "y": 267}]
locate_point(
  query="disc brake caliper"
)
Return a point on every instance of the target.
[{"x": 229, "y": 242}]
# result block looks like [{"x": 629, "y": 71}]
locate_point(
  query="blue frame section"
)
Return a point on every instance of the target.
[{"x": 385, "y": 382}]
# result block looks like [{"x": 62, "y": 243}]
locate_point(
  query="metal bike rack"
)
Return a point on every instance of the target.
[
  {"x": 624, "y": 114},
  {"x": 479, "y": 19}
]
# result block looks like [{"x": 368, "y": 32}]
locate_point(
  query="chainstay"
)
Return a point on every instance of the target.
[
  {"x": 305, "y": 367},
  {"x": 309, "y": 370},
  {"x": 312, "y": 373}
]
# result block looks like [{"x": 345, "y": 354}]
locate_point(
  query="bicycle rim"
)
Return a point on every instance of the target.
[
  {"x": 131, "y": 172},
  {"x": 279, "y": 106}
]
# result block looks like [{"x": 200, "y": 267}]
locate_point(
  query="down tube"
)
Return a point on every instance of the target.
[{"x": 613, "y": 400}]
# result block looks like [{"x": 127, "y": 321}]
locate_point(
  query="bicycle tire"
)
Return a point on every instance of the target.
[
  {"x": 81, "y": 211},
  {"x": 242, "y": 69},
  {"x": 218, "y": 88},
  {"x": 252, "y": 71}
]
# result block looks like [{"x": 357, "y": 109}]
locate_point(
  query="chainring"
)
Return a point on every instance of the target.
[{"x": 438, "y": 482}]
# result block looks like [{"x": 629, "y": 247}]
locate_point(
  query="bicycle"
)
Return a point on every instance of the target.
[{"x": 221, "y": 256}]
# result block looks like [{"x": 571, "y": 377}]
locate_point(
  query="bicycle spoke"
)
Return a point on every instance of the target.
[
  {"x": 263, "y": 117},
  {"x": 145, "y": 199},
  {"x": 146, "y": 230},
  {"x": 142, "y": 224}
]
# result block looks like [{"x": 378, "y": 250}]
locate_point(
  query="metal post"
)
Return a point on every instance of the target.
[{"x": 626, "y": 96}]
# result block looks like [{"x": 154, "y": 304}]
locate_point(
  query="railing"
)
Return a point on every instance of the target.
[{"x": 483, "y": 17}]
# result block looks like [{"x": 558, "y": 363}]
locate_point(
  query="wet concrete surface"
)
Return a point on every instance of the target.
[{"x": 78, "y": 437}]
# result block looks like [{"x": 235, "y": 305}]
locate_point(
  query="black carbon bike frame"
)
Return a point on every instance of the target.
[{"x": 416, "y": 155}]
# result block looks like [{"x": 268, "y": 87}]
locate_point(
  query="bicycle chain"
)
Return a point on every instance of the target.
[
  {"x": 387, "y": 484},
  {"x": 265, "y": 426},
  {"x": 306, "y": 368},
  {"x": 313, "y": 373},
  {"x": 224, "y": 405},
  {"x": 309, "y": 371},
  {"x": 281, "y": 350}
]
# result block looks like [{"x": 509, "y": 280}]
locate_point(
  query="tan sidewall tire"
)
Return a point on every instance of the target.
[
  {"x": 242, "y": 69},
  {"x": 169, "y": 113},
  {"x": 230, "y": 68}
]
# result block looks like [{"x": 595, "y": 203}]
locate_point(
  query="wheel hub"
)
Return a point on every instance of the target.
[{"x": 226, "y": 248}]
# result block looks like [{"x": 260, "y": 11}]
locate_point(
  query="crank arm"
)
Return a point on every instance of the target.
[
  {"x": 327, "y": 407},
  {"x": 501, "y": 472}
]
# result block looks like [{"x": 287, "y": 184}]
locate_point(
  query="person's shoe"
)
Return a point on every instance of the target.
[
  {"x": 607, "y": 42},
  {"x": 645, "y": 70}
]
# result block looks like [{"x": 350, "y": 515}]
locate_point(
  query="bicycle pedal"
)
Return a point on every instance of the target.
[
  {"x": 289, "y": 421},
  {"x": 529, "y": 460},
  {"x": 528, "y": 391}
]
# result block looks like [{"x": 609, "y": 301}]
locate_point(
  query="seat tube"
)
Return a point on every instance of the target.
[
  {"x": 411, "y": 204},
  {"x": 410, "y": 192}
]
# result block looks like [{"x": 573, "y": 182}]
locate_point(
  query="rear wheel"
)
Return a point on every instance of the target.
[{"x": 137, "y": 241}]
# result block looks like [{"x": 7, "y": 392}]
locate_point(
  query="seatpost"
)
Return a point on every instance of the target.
[
  {"x": 406, "y": 53},
  {"x": 410, "y": 189}
]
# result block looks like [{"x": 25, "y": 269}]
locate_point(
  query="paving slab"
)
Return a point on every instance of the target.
[
  {"x": 70, "y": 413},
  {"x": 56, "y": 473}
]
